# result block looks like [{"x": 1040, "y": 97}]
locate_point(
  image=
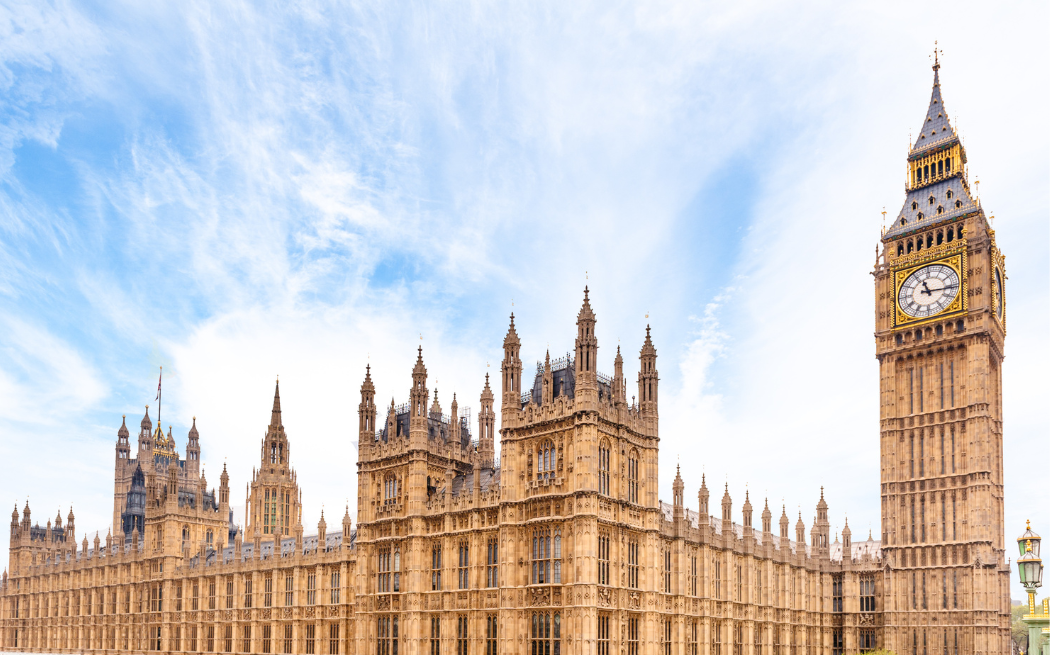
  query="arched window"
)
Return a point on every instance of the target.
[
  {"x": 931, "y": 200},
  {"x": 914, "y": 205},
  {"x": 958, "y": 203},
  {"x": 919, "y": 216},
  {"x": 940, "y": 167},
  {"x": 940, "y": 237},
  {"x": 546, "y": 556},
  {"x": 926, "y": 172},
  {"x": 209, "y": 538},
  {"x": 918, "y": 176},
  {"x": 910, "y": 246},
  {"x": 632, "y": 477},
  {"x": 273, "y": 452},
  {"x": 390, "y": 490},
  {"x": 185, "y": 537},
  {"x": 546, "y": 460},
  {"x": 949, "y": 194},
  {"x": 603, "y": 467},
  {"x": 948, "y": 166},
  {"x": 546, "y": 633}
]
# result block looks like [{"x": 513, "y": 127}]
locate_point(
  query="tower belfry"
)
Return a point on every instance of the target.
[{"x": 940, "y": 332}]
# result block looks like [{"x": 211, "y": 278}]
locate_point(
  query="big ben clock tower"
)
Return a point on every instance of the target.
[{"x": 940, "y": 326}]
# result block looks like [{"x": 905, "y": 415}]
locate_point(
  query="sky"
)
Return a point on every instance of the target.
[{"x": 236, "y": 191}]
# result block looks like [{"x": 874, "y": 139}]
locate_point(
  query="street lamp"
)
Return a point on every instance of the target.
[{"x": 1029, "y": 566}]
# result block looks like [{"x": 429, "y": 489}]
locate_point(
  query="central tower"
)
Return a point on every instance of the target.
[{"x": 939, "y": 334}]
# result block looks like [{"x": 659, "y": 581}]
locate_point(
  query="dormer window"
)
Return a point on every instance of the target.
[
  {"x": 949, "y": 194},
  {"x": 914, "y": 206},
  {"x": 919, "y": 216},
  {"x": 940, "y": 209},
  {"x": 931, "y": 200},
  {"x": 958, "y": 203}
]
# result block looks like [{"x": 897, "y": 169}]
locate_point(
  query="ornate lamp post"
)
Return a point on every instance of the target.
[
  {"x": 1029, "y": 566},
  {"x": 1030, "y": 570}
]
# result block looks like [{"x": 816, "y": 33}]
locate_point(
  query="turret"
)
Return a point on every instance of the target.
[
  {"x": 193, "y": 451},
  {"x": 70, "y": 527},
  {"x": 703, "y": 495},
  {"x": 727, "y": 513},
  {"x": 800, "y": 534},
  {"x": 767, "y": 519},
  {"x": 321, "y": 527},
  {"x": 486, "y": 428},
  {"x": 547, "y": 388},
  {"x": 619, "y": 385},
  {"x": 145, "y": 452},
  {"x": 366, "y": 410},
  {"x": 123, "y": 449},
  {"x": 847, "y": 543},
  {"x": 347, "y": 528},
  {"x": 784, "y": 529},
  {"x": 678, "y": 489},
  {"x": 418, "y": 402},
  {"x": 511, "y": 369},
  {"x": 747, "y": 513},
  {"x": 14, "y": 524},
  {"x": 224, "y": 491},
  {"x": 586, "y": 354},
  {"x": 648, "y": 380},
  {"x": 821, "y": 534},
  {"x": 453, "y": 425}
]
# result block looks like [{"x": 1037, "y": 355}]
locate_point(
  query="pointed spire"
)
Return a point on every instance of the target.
[
  {"x": 123, "y": 431},
  {"x": 146, "y": 425},
  {"x": 512, "y": 334},
  {"x": 586, "y": 313},
  {"x": 936, "y": 127},
  {"x": 822, "y": 504},
  {"x": 275, "y": 414},
  {"x": 193, "y": 434}
]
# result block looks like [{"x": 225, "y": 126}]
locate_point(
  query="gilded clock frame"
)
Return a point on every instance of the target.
[
  {"x": 998, "y": 265},
  {"x": 957, "y": 262}
]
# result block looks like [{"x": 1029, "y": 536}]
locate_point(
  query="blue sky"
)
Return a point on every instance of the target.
[{"x": 238, "y": 191}]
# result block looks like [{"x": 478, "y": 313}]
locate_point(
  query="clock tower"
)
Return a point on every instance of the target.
[{"x": 940, "y": 326}]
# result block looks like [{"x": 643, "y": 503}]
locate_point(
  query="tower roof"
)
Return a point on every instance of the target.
[
  {"x": 936, "y": 128},
  {"x": 821, "y": 504},
  {"x": 512, "y": 334},
  {"x": 146, "y": 424},
  {"x": 419, "y": 369},
  {"x": 123, "y": 431},
  {"x": 275, "y": 413},
  {"x": 586, "y": 313},
  {"x": 193, "y": 429}
]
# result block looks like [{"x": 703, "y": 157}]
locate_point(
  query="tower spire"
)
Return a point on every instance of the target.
[{"x": 275, "y": 414}]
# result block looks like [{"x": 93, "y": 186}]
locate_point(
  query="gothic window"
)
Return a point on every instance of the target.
[
  {"x": 546, "y": 460},
  {"x": 958, "y": 204},
  {"x": 546, "y": 633},
  {"x": 632, "y": 477},
  {"x": 209, "y": 537},
  {"x": 940, "y": 209},
  {"x": 336, "y": 585},
  {"x": 391, "y": 488},
  {"x": 491, "y": 632},
  {"x": 914, "y": 205},
  {"x": 288, "y": 591},
  {"x": 940, "y": 167},
  {"x": 492, "y": 564},
  {"x": 603, "y": 635},
  {"x": 667, "y": 636},
  {"x": 464, "y": 566},
  {"x": 603, "y": 558},
  {"x": 692, "y": 575},
  {"x": 931, "y": 200},
  {"x": 546, "y": 556},
  {"x": 667, "y": 571},
  {"x": 268, "y": 591},
  {"x": 383, "y": 581},
  {"x": 461, "y": 635},
  {"x": 632, "y": 635},
  {"x": 435, "y": 635},
  {"x": 248, "y": 593},
  {"x": 435, "y": 569},
  {"x": 949, "y": 194},
  {"x": 185, "y": 537},
  {"x": 311, "y": 633},
  {"x": 603, "y": 467},
  {"x": 836, "y": 592},
  {"x": 919, "y": 216},
  {"x": 900, "y": 246},
  {"x": 387, "y": 633},
  {"x": 867, "y": 593},
  {"x": 718, "y": 579},
  {"x": 632, "y": 564},
  {"x": 273, "y": 452},
  {"x": 926, "y": 172}
]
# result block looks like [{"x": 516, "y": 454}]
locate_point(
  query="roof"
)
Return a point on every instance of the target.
[
  {"x": 918, "y": 202},
  {"x": 936, "y": 128},
  {"x": 871, "y": 548}
]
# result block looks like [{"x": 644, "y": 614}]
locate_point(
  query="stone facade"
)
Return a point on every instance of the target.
[{"x": 561, "y": 545}]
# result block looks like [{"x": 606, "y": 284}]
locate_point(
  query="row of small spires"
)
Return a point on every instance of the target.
[{"x": 767, "y": 515}]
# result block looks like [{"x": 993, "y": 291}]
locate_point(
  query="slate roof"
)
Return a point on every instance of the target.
[
  {"x": 871, "y": 548},
  {"x": 936, "y": 127},
  {"x": 908, "y": 219}
]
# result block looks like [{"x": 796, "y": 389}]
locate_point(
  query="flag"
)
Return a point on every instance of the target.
[{"x": 158, "y": 383}]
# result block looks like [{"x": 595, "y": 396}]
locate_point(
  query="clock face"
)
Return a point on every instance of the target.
[
  {"x": 929, "y": 290},
  {"x": 998, "y": 293}
]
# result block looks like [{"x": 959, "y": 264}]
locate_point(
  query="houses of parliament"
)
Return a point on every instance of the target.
[{"x": 561, "y": 546}]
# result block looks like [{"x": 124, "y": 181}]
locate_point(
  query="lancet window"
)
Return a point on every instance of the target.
[{"x": 546, "y": 460}]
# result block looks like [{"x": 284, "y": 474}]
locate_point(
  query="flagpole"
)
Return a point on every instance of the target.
[{"x": 159, "y": 400}]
